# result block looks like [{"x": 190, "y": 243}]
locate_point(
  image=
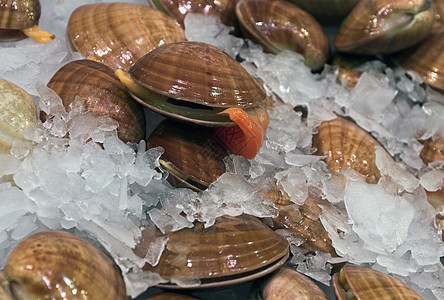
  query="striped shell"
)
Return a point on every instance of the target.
[
  {"x": 233, "y": 250},
  {"x": 119, "y": 34},
  {"x": 103, "y": 94},
  {"x": 385, "y": 26},
  {"x": 19, "y": 14},
  {"x": 346, "y": 145},
  {"x": 18, "y": 112},
  {"x": 366, "y": 283},
  {"x": 60, "y": 265},
  {"x": 280, "y": 25}
]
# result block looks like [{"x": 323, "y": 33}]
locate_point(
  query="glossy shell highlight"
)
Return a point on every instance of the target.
[{"x": 19, "y": 14}]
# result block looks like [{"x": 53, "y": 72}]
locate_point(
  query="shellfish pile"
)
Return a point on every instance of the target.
[{"x": 193, "y": 167}]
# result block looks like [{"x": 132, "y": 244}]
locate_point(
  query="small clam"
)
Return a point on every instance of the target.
[
  {"x": 60, "y": 265},
  {"x": 346, "y": 145},
  {"x": 385, "y": 26},
  {"x": 288, "y": 284},
  {"x": 103, "y": 94},
  {"x": 18, "y": 112},
  {"x": 280, "y": 25},
  {"x": 119, "y": 34},
  {"x": 199, "y": 83},
  {"x": 19, "y": 19},
  {"x": 191, "y": 154},
  {"x": 233, "y": 250},
  {"x": 355, "y": 282},
  {"x": 426, "y": 59},
  {"x": 177, "y": 9}
]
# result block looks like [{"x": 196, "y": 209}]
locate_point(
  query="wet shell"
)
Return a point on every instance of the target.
[
  {"x": 19, "y": 14},
  {"x": 366, "y": 283},
  {"x": 426, "y": 59},
  {"x": 280, "y": 25},
  {"x": 103, "y": 94},
  {"x": 348, "y": 63},
  {"x": 439, "y": 7},
  {"x": 60, "y": 265},
  {"x": 346, "y": 145},
  {"x": 190, "y": 154},
  {"x": 119, "y": 34},
  {"x": 433, "y": 150},
  {"x": 177, "y": 9},
  {"x": 288, "y": 284},
  {"x": 233, "y": 250},
  {"x": 18, "y": 112},
  {"x": 385, "y": 26}
]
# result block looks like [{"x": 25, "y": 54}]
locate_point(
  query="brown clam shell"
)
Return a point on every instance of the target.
[
  {"x": 19, "y": 14},
  {"x": 177, "y": 9},
  {"x": 60, "y": 265},
  {"x": 439, "y": 8},
  {"x": 348, "y": 76},
  {"x": 366, "y": 283},
  {"x": 190, "y": 154},
  {"x": 233, "y": 250},
  {"x": 384, "y": 26},
  {"x": 103, "y": 94},
  {"x": 18, "y": 112},
  {"x": 433, "y": 150},
  {"x": 198, "y": 73},
  {"x": 279, "y": 25},
  {"x": 426, "y": 59},
  {"x": 346, "y": 145},
  {"x": 119, "y": 34}
]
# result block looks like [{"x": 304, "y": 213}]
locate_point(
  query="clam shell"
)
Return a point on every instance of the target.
[
  {"x": 439, "y": 7},
  {"x": 370, "y": 284},
  {"x": 19, "y": 14},
  {"x": 384, "y": 26},
  {"x": 60, "y": 265},
  {"x": 103, "y": 94},
  {"x": 433, "y": 150},
  {"x": 190, "y": 154},
  {"x": 346, "y": 145},
  {"x": 177, "y": 9},
  {"x": 198, "y": 73},
  {"x": 280, "y": 25},
  {"x": 233, "y": 250},
  {"x": 119, "y": 34},
  {"x": 18, "y": 112},
  {"x": 348, "y": 76},
  {"x": 426, "y": 59}
]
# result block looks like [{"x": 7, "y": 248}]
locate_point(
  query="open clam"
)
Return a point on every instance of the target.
[
  {"x": 199, "y": 83},
  {"x": 119, "y": 34},
  {"x": 233, "y": 250},
  {"x": 60, "y": 265},
  {"x": 19, "y": 19},
  {"x": 103, "y": 94},
  {"x": 280, "y": 25},
  {"x": 346, "y": 145},
  {"x": 355, "y": 282},
  {"x": 385, "y": 26}
]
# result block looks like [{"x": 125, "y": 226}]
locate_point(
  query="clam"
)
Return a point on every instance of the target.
[
  {"x": 119, "y": 34},
  {"x": 233, "y": 250},
  {"x": 191, "y": 154},
  {"x": 355, "y": 282},
  {"x": 426, "y": 59},
  {"x": 103, "y": 94},
  {"x": 348, "y": 75},
  {"x": 18, "y": 112},
  {"x": 280, "y": 25},
  {"x": 288, "y": 284},
  {"x": 439, "y": 7},
  {"x": 19, "y": 19},
  {"x": 346, "y": 145},
  {"x": 60, "y": 265},
  {"x": 199, "y": 83},
  {"x": 385, "y": 26},
  {"x": 177, "y": 9}
]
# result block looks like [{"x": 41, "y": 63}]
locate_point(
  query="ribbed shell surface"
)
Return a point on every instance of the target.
[
  {"x": 119, "y": 34},
  {"x": 103, "y": 94},
  {"x": 197, "y": 72},
  {"x": 233, "y": 245},
  {"x": 327, "y": 11},
  {"x": 19, "y": 14},
  {"x": 60, "y": 265},
  {"x": 280, "y": 25},
  {"x": 384, "y": 26},
  {"x": 346, "y": 145}
]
